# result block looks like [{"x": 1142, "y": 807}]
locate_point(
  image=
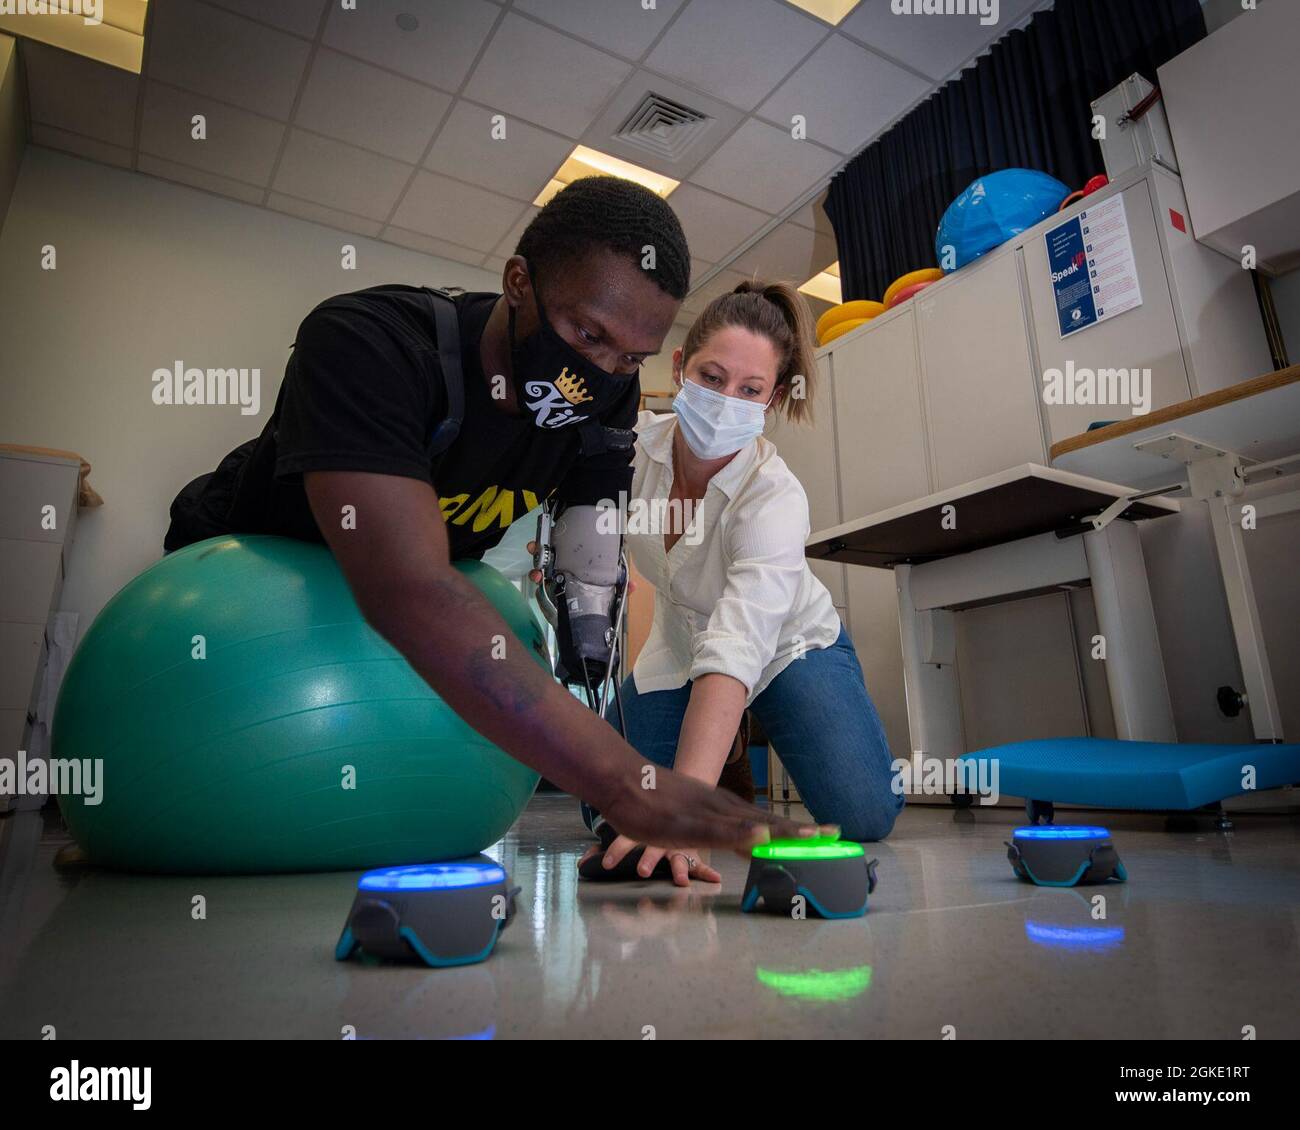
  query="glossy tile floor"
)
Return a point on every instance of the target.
[{"x": 1202, "y": 941}]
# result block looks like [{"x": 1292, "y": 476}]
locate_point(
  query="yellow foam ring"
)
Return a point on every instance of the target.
[
  {"x": 927, "y": 274},
  {"x": 908, "y": 292},
  {"x": 858, "y": 308},
  {"x": 841, "y": 328}
]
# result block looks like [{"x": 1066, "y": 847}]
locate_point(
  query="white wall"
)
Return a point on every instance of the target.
[
  {"x": 148, "y": 273},
  {"x": 657, "y": 372},
  {"x": 1219, "y": 12},
  {"x": 1286, "y": 300},
  {"x": 1286, "y": 289},
  {"x": 13, "y": 123}
]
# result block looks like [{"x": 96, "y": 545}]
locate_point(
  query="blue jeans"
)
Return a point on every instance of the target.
[{"x": 824, "y": 726}]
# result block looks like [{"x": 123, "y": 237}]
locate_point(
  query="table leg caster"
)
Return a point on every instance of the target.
[{"x": 1040, "y": 811}]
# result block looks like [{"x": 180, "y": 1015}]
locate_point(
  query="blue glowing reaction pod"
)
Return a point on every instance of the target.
[
  {"x": 1061, "y": 856},
  {"x": 441, "y": 913}
]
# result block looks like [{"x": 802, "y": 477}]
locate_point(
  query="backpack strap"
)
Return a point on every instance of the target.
[
  {"x": 595, "y": 438},
  {"x": 447, "y": 323}
]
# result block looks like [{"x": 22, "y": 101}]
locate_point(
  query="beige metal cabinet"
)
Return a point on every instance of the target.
[
  {"x": 28, "y": 484},
  {"x": 865, "y": 452},
  {"x": 1214, "y": 299},
  {"x": 32, "y": 572},
  {"x": 873, "y": 627},
  {"x": 38, "y": 513},
  {"x": 879, "y": 424},
  {"x": 1143, "y": 338},
  {"x": 1241, "y": 172},
  {"x": 980, "y": 390},
  {"x": 809, "y": 452},
  {"x": 1020, "y": 674}
]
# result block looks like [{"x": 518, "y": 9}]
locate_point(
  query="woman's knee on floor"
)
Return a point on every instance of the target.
[{"x": 871, "y": 819}]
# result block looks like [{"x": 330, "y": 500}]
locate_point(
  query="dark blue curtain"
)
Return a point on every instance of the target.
[{"x": 1026, "y": 104}]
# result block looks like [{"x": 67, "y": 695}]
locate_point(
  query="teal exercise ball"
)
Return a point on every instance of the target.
[{"x": 248, "y": 719}]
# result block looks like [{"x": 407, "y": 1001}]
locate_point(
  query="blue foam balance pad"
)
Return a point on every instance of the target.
[{"x": 1142, "y": 775}]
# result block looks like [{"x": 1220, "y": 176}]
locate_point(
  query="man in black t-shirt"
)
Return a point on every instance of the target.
[
  {"x": 364, "y": 391},
  {"x": 350, "y": 456}
]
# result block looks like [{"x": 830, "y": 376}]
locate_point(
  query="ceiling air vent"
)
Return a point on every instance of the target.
[{"x": 663, "y": 127}]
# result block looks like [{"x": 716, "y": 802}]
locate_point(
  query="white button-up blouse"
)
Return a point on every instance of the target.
[{"x": 735, "y": 594}]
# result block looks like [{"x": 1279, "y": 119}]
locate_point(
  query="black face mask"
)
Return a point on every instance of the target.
[{"x": 555, "y": 384}]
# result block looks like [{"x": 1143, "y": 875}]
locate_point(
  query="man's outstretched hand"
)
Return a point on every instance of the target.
[{"x": 682, "y": 812}]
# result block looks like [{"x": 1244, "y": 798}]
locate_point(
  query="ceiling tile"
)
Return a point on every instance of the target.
[
  {"x": 87, "y": 147},
  {"x": 196, "y": 178},
  {"x": 496, "y": 264},
  {"x": 72, "y": 92},
  {"x": 765, "y": 167},
  {"x": 430, "y": 246},
  {"x": 817, "y": 307},
  {"x": 214, "y": 52},
  {"x": 302, "y": 17},
  {"x": 935, "y": 45},
  {"x": 698, "y": 268},
  {"x": 355, "y": 102},
  {"x": 238, "y": 144},
  {"x": 345, "y": 222},
  {"x": 439, "y": 50},
  {"x": 735, "y": 49},
  {"x": 724, "y": 281},
  {"x": 448, "y": 209},
  {"x": 626, "y": 27},
  {"x": 813, "y": 216},
  {"x": 506, "y": 247},
  {"x": 846, "y": 94},
  {"x": 713, "y": 226},
  {"x": 518, "y": 164},
  {"x": 340, "y": 176},
  {"x": 680, "y": 159},
  {"x": 789, "y": 253},
  {"x": 545, "y": 77}
]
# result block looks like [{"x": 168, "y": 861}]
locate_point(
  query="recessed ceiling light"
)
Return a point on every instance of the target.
[
  {"x": 584, "y": 162},
  {"x": 826, "y": 285},
  {"x": 407, "y": 22},
  {"x": 831, "y": 11},
  {"x": 110, "y": 32}
]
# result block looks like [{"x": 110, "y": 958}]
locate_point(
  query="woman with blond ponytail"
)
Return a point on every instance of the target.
[{"x": 740, "y": 620}]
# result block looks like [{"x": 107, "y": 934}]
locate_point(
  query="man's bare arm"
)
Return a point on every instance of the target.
[{"x": 396, "y": 560}]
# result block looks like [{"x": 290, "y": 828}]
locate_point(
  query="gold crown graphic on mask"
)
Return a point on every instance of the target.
[{"x": 572, "y": 388}]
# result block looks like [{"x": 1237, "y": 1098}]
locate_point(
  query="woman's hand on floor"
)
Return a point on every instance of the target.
[{"x": 679, "y": 859}]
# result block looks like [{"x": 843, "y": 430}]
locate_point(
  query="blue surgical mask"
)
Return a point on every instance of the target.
[{"x": 715, "y": 425}]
